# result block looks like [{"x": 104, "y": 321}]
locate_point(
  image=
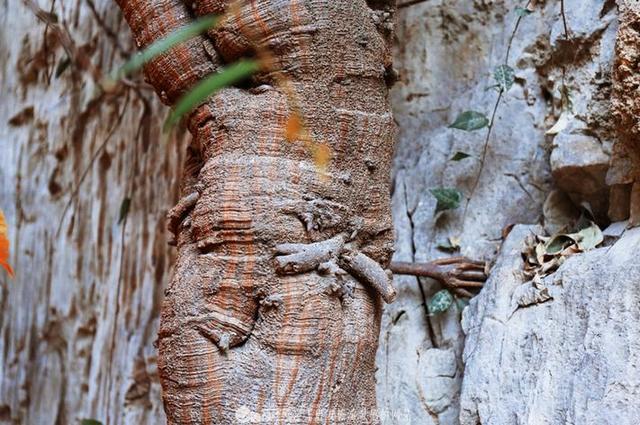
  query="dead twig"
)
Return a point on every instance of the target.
[
  {"x": 410, "y": 3},
  {"x": 564, "y": 20}
]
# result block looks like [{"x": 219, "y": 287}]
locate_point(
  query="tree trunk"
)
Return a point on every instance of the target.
[
  {"x": 245, "y": 336},
  {"x": 79, "y": 320}
]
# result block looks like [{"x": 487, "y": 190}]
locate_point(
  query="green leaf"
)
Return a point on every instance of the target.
[
  {"x": 470, "y": 120},
  {"x": 228, "y": 75},
  {"x": 440, "y": 302},
  {"x": 161, "y": 46},
  {"x": 590, "y": 237},
  {"x": 586, "y": 239},
  {"x": 448, "y": 199},
  {"x": 458, "y": 156},
  {"x": 493, "y": 86},
  {"x": 124, "y": 209},
  {"x": 505, "y": 76},
  {"x": 522, "y": 12},
  {"x": 90, "y": 422},
  {"x": 557, "y": 243},
  {"x": 62, "y": 66}
]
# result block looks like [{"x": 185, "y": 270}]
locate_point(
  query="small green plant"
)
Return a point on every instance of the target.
[
  {"x": 470, "y": 121},
  {"x": 62, "y": 66},
  {"x": 504, "y": 77},
  {"x": 90, "y": 422},
  {"x": 440, "y": 302},
  {"x": 459, "y": 156},
  {"x": 124, "y": 209},
  {"x": 448, "y": 198}
]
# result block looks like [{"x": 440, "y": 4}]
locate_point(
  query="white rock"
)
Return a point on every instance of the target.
[{"x": 572, "y": 360}]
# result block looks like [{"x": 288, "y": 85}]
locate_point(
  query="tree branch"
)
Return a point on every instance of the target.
[{"x": 456, "y": 273}]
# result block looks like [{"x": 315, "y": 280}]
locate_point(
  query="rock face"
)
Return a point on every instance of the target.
[
  {"x": 446, "y": 56},
  {"x": 572, "y": 359},
  {"x": 579, "y": 165},
  {"x": 78, "y": 322}
]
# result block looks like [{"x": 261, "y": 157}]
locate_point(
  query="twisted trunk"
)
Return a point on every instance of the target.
[{"x": 244, "y": 335}]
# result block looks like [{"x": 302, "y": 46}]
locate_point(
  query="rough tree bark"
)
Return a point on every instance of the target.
[
  {"x": 244, "y": 335},
  {"x": 624, "y": 172},
  {"x": 79, "y": 321}
]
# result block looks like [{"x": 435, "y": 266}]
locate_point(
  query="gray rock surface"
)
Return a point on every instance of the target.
[
  {"x": 446, "y": 54},
  {"x": 78, "y": 322},
  {"x": 579, "y": 165},
  {"x": 570, "y": 360}
]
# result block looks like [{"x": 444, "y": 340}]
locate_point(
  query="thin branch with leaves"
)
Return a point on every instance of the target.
[{"x": 505, "y": 77}]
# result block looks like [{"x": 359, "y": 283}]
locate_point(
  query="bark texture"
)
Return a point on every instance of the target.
[
  {"x": 245, "y": 336},
  {"x": 624, "y": 173},
  {"x": 78, "y": 322}
]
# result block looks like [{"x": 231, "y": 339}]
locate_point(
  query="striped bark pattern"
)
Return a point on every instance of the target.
[{"x": 273, "y": 312}]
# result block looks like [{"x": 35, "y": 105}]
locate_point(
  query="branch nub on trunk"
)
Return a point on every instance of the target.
[
  {"x": 177, "y": 214},
  {"x": 302, "y": 258},
  {"x": 334, "y": 255},
  {"x": 368, "y": 271}
]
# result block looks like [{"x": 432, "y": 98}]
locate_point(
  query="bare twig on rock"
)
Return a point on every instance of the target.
[{"x": 456, "y": 273}]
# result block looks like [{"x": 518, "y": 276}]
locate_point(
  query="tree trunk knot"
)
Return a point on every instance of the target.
[{"x": 335, "y": 257}]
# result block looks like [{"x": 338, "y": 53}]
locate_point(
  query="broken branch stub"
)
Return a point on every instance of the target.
[
  {"x": 302, "y": 258},
  {"x": 178, "y": 213},
  {"x": 368, "y": 271},
  {"x": 323, "y": 257}
]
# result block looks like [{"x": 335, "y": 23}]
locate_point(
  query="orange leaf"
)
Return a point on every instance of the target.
[
  {"x": 293, "y": 127},
  {"x": 4, "y": 246}
]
